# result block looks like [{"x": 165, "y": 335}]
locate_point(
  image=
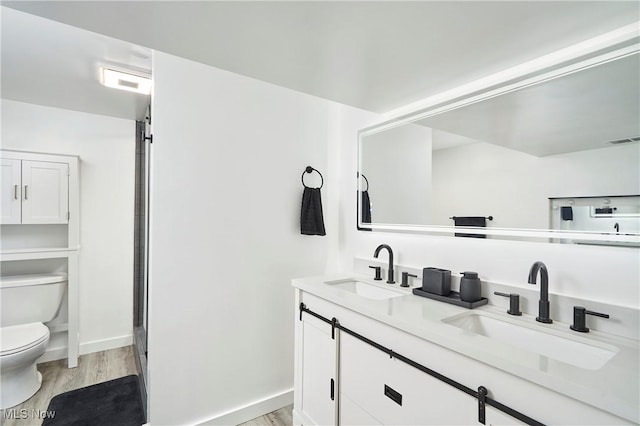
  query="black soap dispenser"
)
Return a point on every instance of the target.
[{"x": 470, "y": 287}]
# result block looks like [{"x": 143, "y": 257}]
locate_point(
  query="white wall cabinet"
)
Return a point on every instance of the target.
[
  {"x": 34, "y": 192},
  {"x": 11, "y": 191},
  {"x": 44, "y": 189},
  {"x": 45, "y": 197}
]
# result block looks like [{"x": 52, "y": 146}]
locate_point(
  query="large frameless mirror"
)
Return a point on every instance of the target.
[{"x": 558, "y": 159}]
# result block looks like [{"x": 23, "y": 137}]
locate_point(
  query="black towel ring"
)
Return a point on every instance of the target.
[
  {"x": 310, "y": 169},
  {"x": 365, "y": 179}
]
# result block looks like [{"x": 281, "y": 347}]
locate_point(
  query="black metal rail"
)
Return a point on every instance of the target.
[{"x": 480, "y": 394}]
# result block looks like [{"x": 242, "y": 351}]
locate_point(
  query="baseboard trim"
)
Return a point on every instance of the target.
[
  {"x": 54, "y": 354},
  {"x": 106, "y": 344},
  {"x": 251, "y": 411}
]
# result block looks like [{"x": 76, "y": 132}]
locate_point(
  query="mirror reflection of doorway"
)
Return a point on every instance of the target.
[{"x": 614, "y": 215}]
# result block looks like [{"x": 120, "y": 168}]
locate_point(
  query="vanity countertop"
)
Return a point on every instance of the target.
[{"x": 612, "y": 387}]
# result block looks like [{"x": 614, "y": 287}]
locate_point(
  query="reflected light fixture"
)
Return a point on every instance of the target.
[{"x": 126, "y": 80}]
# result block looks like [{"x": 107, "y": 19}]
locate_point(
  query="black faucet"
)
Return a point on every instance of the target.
[
  {"x": 543, "y": 303},
  {"x": 617, "y": 227},
  {"x": 377, "y": 252}
]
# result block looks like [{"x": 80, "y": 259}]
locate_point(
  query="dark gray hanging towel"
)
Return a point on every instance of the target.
[
  {"x": 311, "y": 220},
  {"x": 365, "y": 208},
  {"x": 473, "y": 221},
  {"x": 566, "y": 213}
]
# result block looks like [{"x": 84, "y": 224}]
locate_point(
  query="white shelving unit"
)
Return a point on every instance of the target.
[{"x": 44, "y": 189}]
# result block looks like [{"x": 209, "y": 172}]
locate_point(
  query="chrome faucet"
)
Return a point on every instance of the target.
[
  {"x": 377, "y": 252},
  {"x": 543, "y": 303}
]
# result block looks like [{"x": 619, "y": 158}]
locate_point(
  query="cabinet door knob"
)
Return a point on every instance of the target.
[
  {"x": 15, "y": 192},
  {"x": 25, "y": 192}
]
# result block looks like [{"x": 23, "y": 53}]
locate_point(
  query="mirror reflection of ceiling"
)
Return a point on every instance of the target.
[{"x": 584, "y": 110}]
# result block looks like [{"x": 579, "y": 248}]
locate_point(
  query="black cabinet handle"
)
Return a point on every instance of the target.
[
  {"x": 393, "y": 395},
  {"x": 332, "y": 391}
]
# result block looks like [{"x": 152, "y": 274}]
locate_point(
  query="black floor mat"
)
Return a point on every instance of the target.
[{"x": 116, "y": 402}]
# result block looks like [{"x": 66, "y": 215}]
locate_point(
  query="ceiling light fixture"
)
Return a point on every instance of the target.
[{"x": 126, "y": 80}]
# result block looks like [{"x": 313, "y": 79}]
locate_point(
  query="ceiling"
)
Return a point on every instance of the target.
[
  {"x": 374, "y": 55},
  {"x": 48, "y": 63}
]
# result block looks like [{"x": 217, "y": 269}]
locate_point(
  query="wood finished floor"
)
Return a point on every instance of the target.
[
  {"x": 101, "y": 367},
  {"x": 57, "y": 378},
  {"x": 281, "y": 417}
]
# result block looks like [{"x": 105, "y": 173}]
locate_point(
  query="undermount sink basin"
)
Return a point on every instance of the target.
[
  {"x": 363, "y": 289},
  {"x": 590, "y": 356}
]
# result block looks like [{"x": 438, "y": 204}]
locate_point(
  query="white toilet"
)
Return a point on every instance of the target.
[{"x": 26, "y": 302}]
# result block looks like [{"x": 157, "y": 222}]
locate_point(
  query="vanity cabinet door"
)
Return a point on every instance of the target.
[
  {"x": 11, "y": 203},
  {"x": 318, "y": 372},
  {"x": 394, "y": 393},
  {"x": 45, "y": 192}
]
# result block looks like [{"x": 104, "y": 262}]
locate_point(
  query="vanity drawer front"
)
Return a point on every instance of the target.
[
  {"x": 353, "y": 415},
  {"x": 395, "y": 393}
]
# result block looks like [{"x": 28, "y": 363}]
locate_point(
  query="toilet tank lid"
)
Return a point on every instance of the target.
[{"x": 34, "y": 279}]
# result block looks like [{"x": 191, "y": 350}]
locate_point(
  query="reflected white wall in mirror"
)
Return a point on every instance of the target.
[
  {"x": 515, "y": 187},
  {"x": 509, "y": 156},
  {"x": 397, "y": 166}
]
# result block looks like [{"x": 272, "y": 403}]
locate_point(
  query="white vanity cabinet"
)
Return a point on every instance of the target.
[
  {"x": 34, "y": 192},
  {"x": 393, "y": 393},
  {"x": 384, "y": 374}
]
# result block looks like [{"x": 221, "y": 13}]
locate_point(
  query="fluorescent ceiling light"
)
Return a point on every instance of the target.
[{"x": 137, "y": 83}]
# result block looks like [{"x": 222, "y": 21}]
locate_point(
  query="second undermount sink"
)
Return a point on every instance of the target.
[
  {"x": 366, "y": 290},
  {"x": 580, "y": 353}
]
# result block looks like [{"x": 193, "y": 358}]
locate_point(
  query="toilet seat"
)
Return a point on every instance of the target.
[{"x": 19, "y": 338}]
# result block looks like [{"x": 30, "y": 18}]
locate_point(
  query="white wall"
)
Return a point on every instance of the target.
[
  {"x": 605, "y": 274},
  {"x": 515, "y": 187},
  {"x": 106, "y": 147},
  {"x": 227, "y": 158}
]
